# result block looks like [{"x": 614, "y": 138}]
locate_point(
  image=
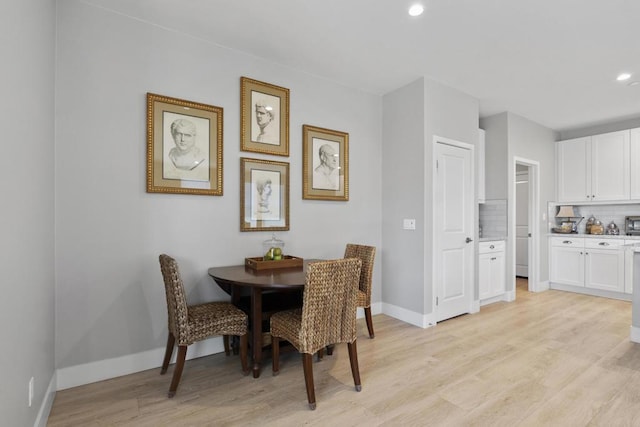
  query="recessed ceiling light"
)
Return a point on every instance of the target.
[
  {"x": 416, "y": 10},
  {"x": 623, "y": 77}
]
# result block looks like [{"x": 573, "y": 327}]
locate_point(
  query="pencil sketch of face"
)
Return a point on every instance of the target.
[
  {"x": 265, "y": 127},
  {"x": 183, "y": 132}
]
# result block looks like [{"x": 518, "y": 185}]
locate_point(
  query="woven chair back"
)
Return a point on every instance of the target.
[
  {"x": 329, "y": 304},
  {"x": 366, "y": 254},
  {"x": 177, "y": 312}
]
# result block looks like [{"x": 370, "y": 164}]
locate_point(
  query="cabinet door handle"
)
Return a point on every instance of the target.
[
  {"x": 492, "y": 247},
  {"x": 494, "y": 258},
  {"x": 567, "y": 242},
  {"x": 603, "y": 244}
]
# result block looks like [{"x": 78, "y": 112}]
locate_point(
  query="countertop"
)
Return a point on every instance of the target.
[
  {"x": 595, "y": 236},
  {"x": 492, "y": 238}
]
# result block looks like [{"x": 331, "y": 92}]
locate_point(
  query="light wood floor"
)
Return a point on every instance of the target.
[{"x": 548, "y": 359}]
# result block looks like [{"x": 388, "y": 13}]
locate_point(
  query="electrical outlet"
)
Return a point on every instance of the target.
[{"x": 31, "y": 381}]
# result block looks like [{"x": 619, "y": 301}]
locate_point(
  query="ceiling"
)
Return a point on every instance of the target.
[{"x": 552, "y": 61}]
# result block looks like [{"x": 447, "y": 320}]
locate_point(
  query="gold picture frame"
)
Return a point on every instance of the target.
[
  {"x": 264, "y": 117},
  {"x": 184, "y": 146},
  {"x": 264, "y": 195},
  {"x": 325, "y": 164}
]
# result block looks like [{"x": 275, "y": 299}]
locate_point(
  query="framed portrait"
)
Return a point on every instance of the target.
[
  {"x": 325, "y": 164},
  {"x": 184, "y": 146},
  {"x": 264, "y": 195},
  {"x": 264, "y": 116}
]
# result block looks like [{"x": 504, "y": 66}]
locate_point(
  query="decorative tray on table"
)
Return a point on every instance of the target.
[{"x": 287, "y": 261}]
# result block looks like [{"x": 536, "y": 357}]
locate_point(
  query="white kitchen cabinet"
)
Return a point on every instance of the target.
[
  {"x": 628, "y": 268},
  {"x": 566, "y": 260},
  {"x": 590, "y": 263},
  {"x": 480, "y": 166},
  {"x": 574, "y": 169},
  {"x": 594, "y": 168},
  {"x": 491, "y": 269},
  {"x": 634, "y": 156},
  {"x": 604, "y": 264}
]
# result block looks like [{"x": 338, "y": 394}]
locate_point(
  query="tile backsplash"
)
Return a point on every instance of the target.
[
  {"x": 604, "y": 213},
  {"x": 493, "y": 218}
]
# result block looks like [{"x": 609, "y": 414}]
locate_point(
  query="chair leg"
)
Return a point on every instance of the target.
[
  {"x": 307, "y": 364},
  {"x": 275, "y": 355},
  {"x": 171, "y": 341},
  {"x": 177, "y": 372},
  {"x": 225, "y": 340},
  {"x": 367, "y": 315},
  {"x": 244, "y": 342},
  {"x": 330, "y": 348},
  {"x": 320, "y": 354},
  {"x": 355, "y": 370}
]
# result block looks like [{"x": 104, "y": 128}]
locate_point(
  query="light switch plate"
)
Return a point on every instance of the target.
[{"x": 409, "y": 224}]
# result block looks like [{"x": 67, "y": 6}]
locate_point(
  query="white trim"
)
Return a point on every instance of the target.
[
  {"x": 408, "y": 316},
  {"x": 591, "y": 291},
  {"x": 534, "y": 223},
  {"x": 376, "y": 308},
  {"x": 635, "y": 334},
  {"x": 542, "y": 286},
  {"x": 47, "y": 403},
  {"x": 110, "y": 368}
]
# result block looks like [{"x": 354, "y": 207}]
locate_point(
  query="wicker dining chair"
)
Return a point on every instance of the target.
[
  {"x": 327, "y": 316},
  {"x": 191, "y": 323},
  {"x": 367, "y": 255}
]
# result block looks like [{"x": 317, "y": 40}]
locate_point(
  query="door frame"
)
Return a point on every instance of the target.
[
  {"x": 533, "y": 208},
  {"x": 436, "y": 244}
]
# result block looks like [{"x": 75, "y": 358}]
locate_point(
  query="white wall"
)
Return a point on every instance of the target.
[
  {"x": 496, "y": 160},
  {"x": 27, "y": 190},
  {"x": 110, "y": 297},
  {"x": 532, "y": 141},
  {"x": 413, "y": 115},
  {"x": 509, "y": 136},
  {"x": 596, "y": 130},
  {"x": 403, "y": 197}
]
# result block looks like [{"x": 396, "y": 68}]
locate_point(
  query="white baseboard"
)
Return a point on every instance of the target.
[
  {"x": 87, "y": 373},
  {"x": 408, "y": 316},
  {"x": 475, "y": 306},
  {"x": 376, "y": 308},
  {"x": 542, "y": 286},
  {"x": 635, "y": 334},
  {"x": 47, "y": 403},
  {"x": 591, "y": 291},
  {"x": 110, "y": 368}
]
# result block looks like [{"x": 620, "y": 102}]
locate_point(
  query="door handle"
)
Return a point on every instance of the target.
[
  {"x": 469, "y": 240},
  {"x": 528, "y": 234}
]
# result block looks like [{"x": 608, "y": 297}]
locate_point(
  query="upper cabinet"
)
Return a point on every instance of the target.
[
  {"x": 480, "y": 166},
  {"x": 596, "y": 168},
  {"x": 634, "y": 150}
]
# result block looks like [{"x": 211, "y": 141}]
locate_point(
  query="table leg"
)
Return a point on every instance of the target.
[
  {"x": 235, "y": 300},
  {"x": 256, "y": 333}
]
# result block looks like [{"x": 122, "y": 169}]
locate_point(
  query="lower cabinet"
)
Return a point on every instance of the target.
[
  {"x": 491, "y": 269},
  {"x": 587, "y": 262}
]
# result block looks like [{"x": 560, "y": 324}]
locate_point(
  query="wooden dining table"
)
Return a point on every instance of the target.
[{"x": 239, "y": 280}]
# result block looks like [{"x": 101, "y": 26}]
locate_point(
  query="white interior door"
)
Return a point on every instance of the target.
[
  {"x": 522, "y": 224},
  {"x": 453, "y": 231}
]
